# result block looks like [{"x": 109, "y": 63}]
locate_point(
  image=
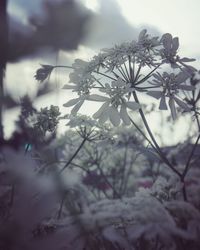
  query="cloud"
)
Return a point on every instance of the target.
[
  {"x": 108, "y": 27},
  {"x": 58, "y": 25}
]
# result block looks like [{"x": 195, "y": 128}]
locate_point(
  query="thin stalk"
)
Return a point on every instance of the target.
[
  {"x": 137, "y": 73},
  {"x": 143, "y": 134},
  {"x": 153, "y": 139},
  {"x": 1, "y": 103},
  {"x": 63, "y": 66},
  {"x": 3, "y": 57},
  {"x": 61, "y": 206},
  {"x": 97, "y": 72},
  {"x": 98, "y": 83},
  {"x": 123, "y": 73},
  {"x": 124, "y": 171},
  {"x": 131, "y": 69},
  {"x": 148, "y": 75},
  {"x": 129, "y": 172},
  {"x": 74, "y": 155},
  {"x": 108, "y": 182},
  {"x": 190, "y": 158},
  {"x": 198, "y": 122},
  {"x": 127, "y": 73}
]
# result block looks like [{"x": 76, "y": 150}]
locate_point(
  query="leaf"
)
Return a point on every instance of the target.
[
  {"x": 102, "y": 109},
  {"x": 114, "y": 116},
  {"x": 124, "y": 115},
  {"x": 155, "y": 93},
  {"x": 77, "y": 107},
  {"x": 133, "y": 105},
  {"x": 72, "y": 102},
  {"x": 97, "y": 98}
]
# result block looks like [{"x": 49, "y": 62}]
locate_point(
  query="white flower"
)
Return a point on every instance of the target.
[
  {"x": 111, "y": 112},
  {"x": 169, "y": 51},
  {"x": 171, "y": 85}
]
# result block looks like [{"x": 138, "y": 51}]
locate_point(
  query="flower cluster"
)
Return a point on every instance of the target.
[
  {"x": 47, "y": 119},
  {"x": 117, "y": 75},
  {"x": 169, "y": 51},
  {"x": 44, "y": 72},
  {"x": 170, "y": 85}
]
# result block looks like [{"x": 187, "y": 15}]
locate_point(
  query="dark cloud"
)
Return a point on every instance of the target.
[
  {"x": 62, "y": 26},
  {"x": 109, "y": 27}
]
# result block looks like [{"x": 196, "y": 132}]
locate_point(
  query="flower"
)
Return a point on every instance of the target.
[
  {"x": 146, "y": 42},
  {"x": 169, "y": 51},
  {"x": 116, "y": 98},
  {"x": 43, "y": 73},
  {"x": 47, "y": 119},
  {"x": 171, "y": 85},
  {"x": 115, "y": 107},
  {"x": 117, "y": 72}
]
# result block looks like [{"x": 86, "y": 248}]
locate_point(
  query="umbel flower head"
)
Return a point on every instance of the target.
[
  {"x": 44, "y": 72},
  {"x": 170, "y": 86},
  {"x": 116, "y": 75},
  {"x": 170, "y": 50}
]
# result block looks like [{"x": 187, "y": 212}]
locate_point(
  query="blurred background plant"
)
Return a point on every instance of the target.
[{"x": 107, "y": 182}]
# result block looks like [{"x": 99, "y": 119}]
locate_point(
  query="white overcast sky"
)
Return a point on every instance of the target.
[{"x": 115, "y": 21}]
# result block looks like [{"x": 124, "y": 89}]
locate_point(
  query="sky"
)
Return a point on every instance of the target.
[{"x": 113, "y": 21}]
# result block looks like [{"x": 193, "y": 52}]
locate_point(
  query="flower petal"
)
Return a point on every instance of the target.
[
  {"x": 181, "y": 104},
  {"x": 133, "y": 105},
  {"x": 167, "y": 41},
  {"x": 155, "y": 93},
  {"x": 104, "y": 116},
  {"x": 172, "y": 108},
  {"x": 163, "y": 105},
  {"x": 181, "y": 77},
  {"x": 97, "y": 98},
  {"x": 186, "y": 87},
  {"x": 175, "y": 44},
  {"x": 185, "y": 59},
  {"x": 124, "y": 115},
  {"x": 114, "y": 116},
  {"x": 102, "y": 109},
  {"x": 77, "y": 107},
  {"x": 71, "y": 102},
  {"x": 142, "y": 34}
]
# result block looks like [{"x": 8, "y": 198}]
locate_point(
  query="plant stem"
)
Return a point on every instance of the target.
[
  {"x": 190, "y": 158},
  {"x": 148, "y": 75},
  {"x": 1, "y": 103},
  {"x": 161, "y": 154},
  {"x": 74, "y": 155},
  {"x": 3, "y": 57},
  {"x": 61, "y": 206}
]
